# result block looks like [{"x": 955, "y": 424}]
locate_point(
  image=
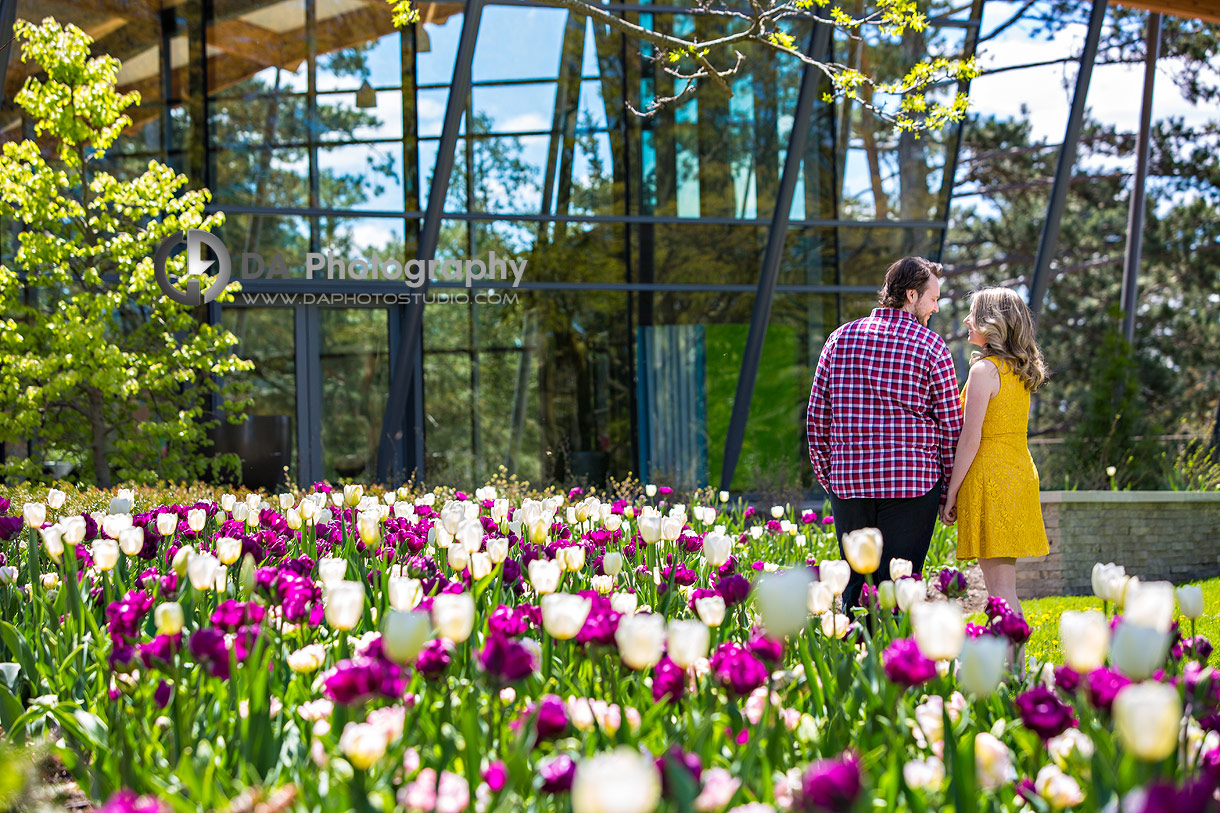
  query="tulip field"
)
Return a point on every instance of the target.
[{"x": 352, "y": 649}]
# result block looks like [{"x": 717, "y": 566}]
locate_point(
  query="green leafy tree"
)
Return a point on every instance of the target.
[{"x": 94, "y": 359}]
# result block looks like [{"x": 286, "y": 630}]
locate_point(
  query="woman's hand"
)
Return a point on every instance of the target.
[{"x": 948, "y": 511}]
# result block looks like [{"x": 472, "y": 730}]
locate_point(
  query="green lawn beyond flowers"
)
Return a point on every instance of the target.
[{"x": 1043, "y": 617}]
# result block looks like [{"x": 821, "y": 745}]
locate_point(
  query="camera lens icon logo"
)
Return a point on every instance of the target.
[{"x": 196, "y": 265}]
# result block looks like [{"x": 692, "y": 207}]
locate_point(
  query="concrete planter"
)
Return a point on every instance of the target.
[{"x": 1172, "y": 535}]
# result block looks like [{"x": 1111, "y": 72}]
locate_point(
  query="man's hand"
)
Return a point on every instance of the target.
[{"x": 948, "y": 511}]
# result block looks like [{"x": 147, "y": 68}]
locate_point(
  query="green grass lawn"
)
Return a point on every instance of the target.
[{"x": 1043, "y": 617}]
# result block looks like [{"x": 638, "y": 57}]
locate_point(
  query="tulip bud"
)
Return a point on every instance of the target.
[
  {"x": 910, "y": 592},
  {"x": 53, "y": 541},
  {"x": 405, "y": 594},
  {"x": 227, "y": 501},
  {"x": 1148, "y": 719},
  {"x": 35, "y": 514},
  {"x": 1150, "y": 604},
  {"x": 181, "y": 559},
  {"x": 8, "y": 574},
  {"x": 201, "y": 571},
  {"x": 169, "y": 618},
  {"x": 939, "y": 629},
  {"x": 564, "y": 614},
  {"x": 711, "y": 610},
  {"x": 403, "y": 635},
  {"x": 1138, "y": 651},
  {"x": 1084, "y": 638},
  {"x": 352, "y": 495},
  {"x": 228, "y": 549},
  {"x": 50, "y": 581},
  {"x": 544, "y": 576},
  {"x": 819, "y": 599},
  {"x": 900, "y": 568},
  {"x": 457, "y": 557},
  {"x": 480, "y": 565},
  {"x": 105, "y": 554},
  {"x": 835, "y": 625},
  {"x": 650, "y": 490},
  {"x": 603, "y": 585},
  {"x": 834, "y": 573},
  {"x": 640, "y": 639},
  {"x": 196, "y": 518},
  {"x": 572, "y": 559},
  {"x": 470, "y": 535},
  {"x": 624, "y": 603},
  {"x": 781, "y": 601},
  {"x": 687, "y": 642},
  {"x": 363, "y": 744},
  {"x": 368, "y": 526},
  {"x": 453, "y": 615},
  {"x": 293, "y": 519},
  {"x": 612, "y": 563},
  {"x": 497, "y": 549},
  {"x": 55, "y": 498},
  {"x": 1190, "y": 600},
  {"x": 650, "y": 529},
  {"x": 344, "y": 604},
  {"x": 253, "y": 501},
  {"x": 981, "y": 664},
  {"x": 332, "y": 569},
  {"x": 717, "y": 548},
  {"x": 167, "y": 523},
  {"x": 862, "y": 550},
  {"x": 887, "y": 595},
  {"x": 671, "y": 527}
]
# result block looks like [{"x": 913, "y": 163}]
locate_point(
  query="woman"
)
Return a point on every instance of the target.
[{"x": 993, "y": 493}]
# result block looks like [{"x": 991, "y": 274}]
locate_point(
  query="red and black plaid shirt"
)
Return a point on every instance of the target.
[{"x": 884, "y": 414}]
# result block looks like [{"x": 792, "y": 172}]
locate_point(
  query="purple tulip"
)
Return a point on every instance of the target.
[
  {"x": 361, "y": 678},
  {"x": 550, "y": 717},
  {"x": 997, "y": 608},
  {"x": 668, "y": 680},
  {"x": 1067, "y": 679},
  {"x": 435, "y": 657},
  {"x": 602, "y": 622},
  {"x": 1013, "y": 627},
  {"x": 159, "y": 653},
  {"x": 1104, "y": 685},
  {"x": 831, "y": 784},
  {"x": 231, "y": 614},
  {"x": 505, "y": 659},
  {"x": 124, "y": 616},
  {"x": 557, "y": 774},
  {"x": 733, "y": 589},
  {"x": 737, "y": 669},
  {"x": 496, "y": 776},
  {"x": 208, "y": 647},
  {"x": 769, "y": 650},
  {"x": 161, "y": 694},
  {"x": 1044, "y": 713},
  {"x": 1197, "y": 648},
  {"x": 905, "y": 665},
  {"x": 951, "y": 582},
  {"x": 10, "y": 527},
  {"x": 677, "y": 760},
  {"x": 126, "y": 801}
]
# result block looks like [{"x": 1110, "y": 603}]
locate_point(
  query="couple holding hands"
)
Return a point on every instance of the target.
[{"x": 894, "y": 444}]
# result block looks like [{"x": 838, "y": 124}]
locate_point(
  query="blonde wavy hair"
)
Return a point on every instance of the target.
[{"x": 1007, "y": 326}]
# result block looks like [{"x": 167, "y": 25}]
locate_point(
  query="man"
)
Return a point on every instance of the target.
[{"x": 884, "y": 418}]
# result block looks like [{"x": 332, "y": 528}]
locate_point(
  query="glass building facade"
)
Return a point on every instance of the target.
[{"x": 319, "y": 128}]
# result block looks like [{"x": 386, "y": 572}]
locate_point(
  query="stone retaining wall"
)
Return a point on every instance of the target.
[{"x": 1170, "y": 535}]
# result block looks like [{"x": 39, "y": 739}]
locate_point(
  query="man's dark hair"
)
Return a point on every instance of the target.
[{"x": 908, "y": 274}]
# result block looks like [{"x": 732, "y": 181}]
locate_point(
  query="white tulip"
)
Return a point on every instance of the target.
[
  {"x": 497, "y": 549},
  {"x": 724, "y": 496},
  {"x": 1061, "y": 790},
  {"x": 887, "y": 595},
  {"x": 470, "y": 535},
  {"x": 221, "y": 580},
  {"x": 650, "y": 529},
  {"x": 612, "y": 563},
  {"x": 308, "y": 510},
  {"x": 499, "y": 511},
  {"x": 405, "y": 594},
  {"x": 453, "y": 615},
  {"x": 650, "y": 490},
  {"x": 452, "y": 514},
  {"x": 782, "y": 601},
  {"x": 131, "y": 540},
  {"x": 332, "y": 569},
  {"x": 1148, "y": 719},
  {"x": 181, "y": 560},
  {"x": 352, "y": 494},
  {"x": 368, "y": 526},
  {"x": 1138, "y": 651},
  {"x": 835, "y": 625},
  {"x": 939, "y": 628},
  {"x": 834, "y": 573},
  {"x": 55, "y": 498},
  {"x": 53, "y": 541},
  {"x": 253, "y": 501},
  {"x": 777, "y": 511},
  {"x": 8, "y": 574},
  {"x": 1084, "y": 638},
  {"x": 1150, "y": 605},
  {"x": 196, "y": 518},
  {"x": 625, "y": 603},
  {"x": 169, "y": 618},
  {"x": 72, "y": 530},
  {"x": 363, "y": 744},
  {"x": 457, "y": 557},
  {"x": 640, "y": 639},
  {"x": 981, "y": 664},
  {"x": 325, "y": 517},
  {"x": 119, "y": 505},
  {"x": 50, "y": 581},
  {"x": 115, "y": 524},
  {"x": 240, "y": 512},
  {"x": 618, "y": 781},
  {"x": 992, "y": 762},
  {"x": 564, "y": 614},
  {"x": 480, "y": 565},
  {"x": 344, "y": 604},
  {"x": 571, "y": 559},
  {"x": 292, "y": 517},
  {"x": 613, "y": 522},
  {"x": 604, "y": 585},
  {"x": 900, "y": 568},
  {"x": 687, "y": 641},
  {"x": 862, "y": 550},
  {"x": 34, "y": 514},
  {"x": 167, "y": 523},
  {"x": 717, "y": 548},
  {"x": 227, "y": 501},
  {"x": 910, "y": 592},
  {"x": 403, "y": 635},
  {"x": 228, "y": 549},
  {"x": 820, "y": 598},
  {"x": 544, "y": 575},
  {"x": 105, "y": 554},
  {"x": 924, "y": 774},
  {"x": 1190, "y": 600},
  {"x": 201, "y": 571}
]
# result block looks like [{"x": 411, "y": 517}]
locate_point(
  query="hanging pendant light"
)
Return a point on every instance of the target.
[{"x": 366, "y": 96}]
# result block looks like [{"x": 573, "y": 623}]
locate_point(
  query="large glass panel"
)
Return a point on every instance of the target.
[
  {"x": 707, "y": 254},
  {"x": 355, "y": 385},
  {"x": 370, "y": 50},
  {"x": 255, "y": 46},
  {"x": 341, "y": 118},
  {"x": 254, "y": 241},
  {"x": 542, "y": 252},
  {"x": 262, "y": 176},
  {"x": 361, "y": 176},
  {"x": 265, "y": 336},
  {"x": 502, "y": 53}
]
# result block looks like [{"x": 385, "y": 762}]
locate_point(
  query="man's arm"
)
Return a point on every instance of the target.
[
  {"x": 817, "y": 419},
  {"x": 947, "y": 410}
]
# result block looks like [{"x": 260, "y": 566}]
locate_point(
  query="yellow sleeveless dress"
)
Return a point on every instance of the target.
[{"x": 998, "y": 511}]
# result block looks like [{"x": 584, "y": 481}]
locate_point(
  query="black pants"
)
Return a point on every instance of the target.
[{"x": 906, "y": 526}]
